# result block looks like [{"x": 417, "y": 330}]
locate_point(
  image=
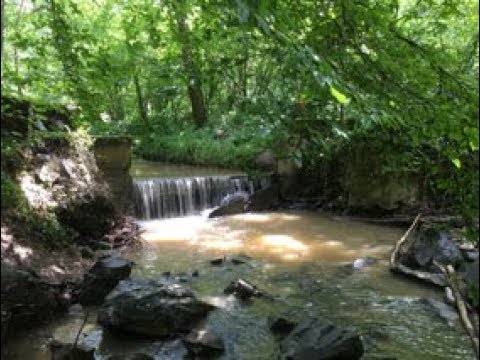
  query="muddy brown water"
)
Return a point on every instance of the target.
[{"x": 301, "y": 258}]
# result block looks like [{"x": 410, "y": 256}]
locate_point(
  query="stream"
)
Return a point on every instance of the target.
[{"x": 304, "y": 259}]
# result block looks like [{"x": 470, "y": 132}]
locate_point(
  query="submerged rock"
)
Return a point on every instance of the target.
[
  {"x": 242, "y": 289},
  {"x": 363, "y": 262},
  {"x": 281, "y": 327},
  {"x": 218, "y": 261},
  {"x": 443, "y": 310},
  {"x": 314, "y": 339},
  {"x": 151, "y": 308},
  {"x": 102, "y": 278}
]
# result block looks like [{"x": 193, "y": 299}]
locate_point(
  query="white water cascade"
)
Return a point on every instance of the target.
[{"x": 157, "y": 198}]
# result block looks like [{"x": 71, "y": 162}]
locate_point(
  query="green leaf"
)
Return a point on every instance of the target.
[
  {"x": 457, "y": 163},
  {"x": 341, "y": 98}
]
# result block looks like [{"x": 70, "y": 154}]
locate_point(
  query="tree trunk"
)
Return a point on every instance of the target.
[
  {"x": 199, "y": 111},
  {"x": 140, "y": 101}
]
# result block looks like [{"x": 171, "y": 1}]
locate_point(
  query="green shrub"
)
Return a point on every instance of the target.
[
  {"x": 200, "y": 147},
  {"x": 48, "y": 229},
  {"x": 12, "y": 195}
]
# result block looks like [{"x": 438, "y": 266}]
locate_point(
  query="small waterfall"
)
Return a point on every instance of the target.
[{"x": 171, "y": 197}]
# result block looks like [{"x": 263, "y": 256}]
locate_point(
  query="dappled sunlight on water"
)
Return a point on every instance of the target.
[
  {"x": 263, "y": 218},
  {"x": 304, "y": 261},
  {"x": 282, "y": 236}
]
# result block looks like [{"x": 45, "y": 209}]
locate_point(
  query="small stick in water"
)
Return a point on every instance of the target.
[{"x": 80, "y": 330}]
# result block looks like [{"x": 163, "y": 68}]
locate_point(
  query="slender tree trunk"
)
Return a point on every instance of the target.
[
  {"x": 117, "y": 107},
  {"x": 199, "y": 111},
  {"x": 140, "y": 101}
]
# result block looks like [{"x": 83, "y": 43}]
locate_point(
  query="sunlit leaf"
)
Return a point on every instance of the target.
[
  {"x": 341, "y": 98},
  {"x": 457, "y": 163}
]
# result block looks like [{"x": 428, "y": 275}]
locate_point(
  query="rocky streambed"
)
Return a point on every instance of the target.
[{"x": 256, "y": 286}]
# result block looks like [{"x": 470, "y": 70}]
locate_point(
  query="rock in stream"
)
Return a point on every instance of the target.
[
  {"x": 151, "y": 308},
  {"x": 102, "y": 278},
  {"x": 314, "y": 339}
]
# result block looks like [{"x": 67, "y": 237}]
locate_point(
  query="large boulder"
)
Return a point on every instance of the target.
[
  {"x": 314, "y": 339},
  {"x": 232, "y": 204},
  {"x": 26, "y": 299},
  {"x": 431, "y": 245},
  {"x": 264, "y": 199},
  {"x": 151, "y": 308},
  {"x": 102, "y": 278}
]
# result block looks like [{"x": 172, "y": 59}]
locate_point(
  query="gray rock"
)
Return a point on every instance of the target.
[
  {"x": 102, "y": 278},
  {"x": 151, "y": 308},
  {"x": 242, "y": 289},
  {"x": 231, "y": 205},
  {"x": 48, "y": 173},
  {"x": 22, "y": 291},
  {"x": 204, "y": 343},
  {"x": 264, "y": 199},
  {"x": 431, "y": 245},
  {"x": 238, "y": 261},
  {"x": 91, "y": 339},
  {"x": 314, "y": 339},
  {"x": 218, "y": 261},
  {"x": 471, "y": 255}
]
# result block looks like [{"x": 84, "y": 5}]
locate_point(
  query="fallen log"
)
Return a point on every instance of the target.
[
  {"x": 393, "y": 259},
  {"x": 469, "y": 318}
]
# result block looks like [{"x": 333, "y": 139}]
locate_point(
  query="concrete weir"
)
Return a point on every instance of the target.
[{"x": 113, "y": 155}]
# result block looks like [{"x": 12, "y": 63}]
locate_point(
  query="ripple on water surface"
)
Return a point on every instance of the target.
[{"x": 304, "y": 260}]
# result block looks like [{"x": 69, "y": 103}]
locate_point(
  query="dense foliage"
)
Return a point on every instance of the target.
[{"x": 216, "y": 82}]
